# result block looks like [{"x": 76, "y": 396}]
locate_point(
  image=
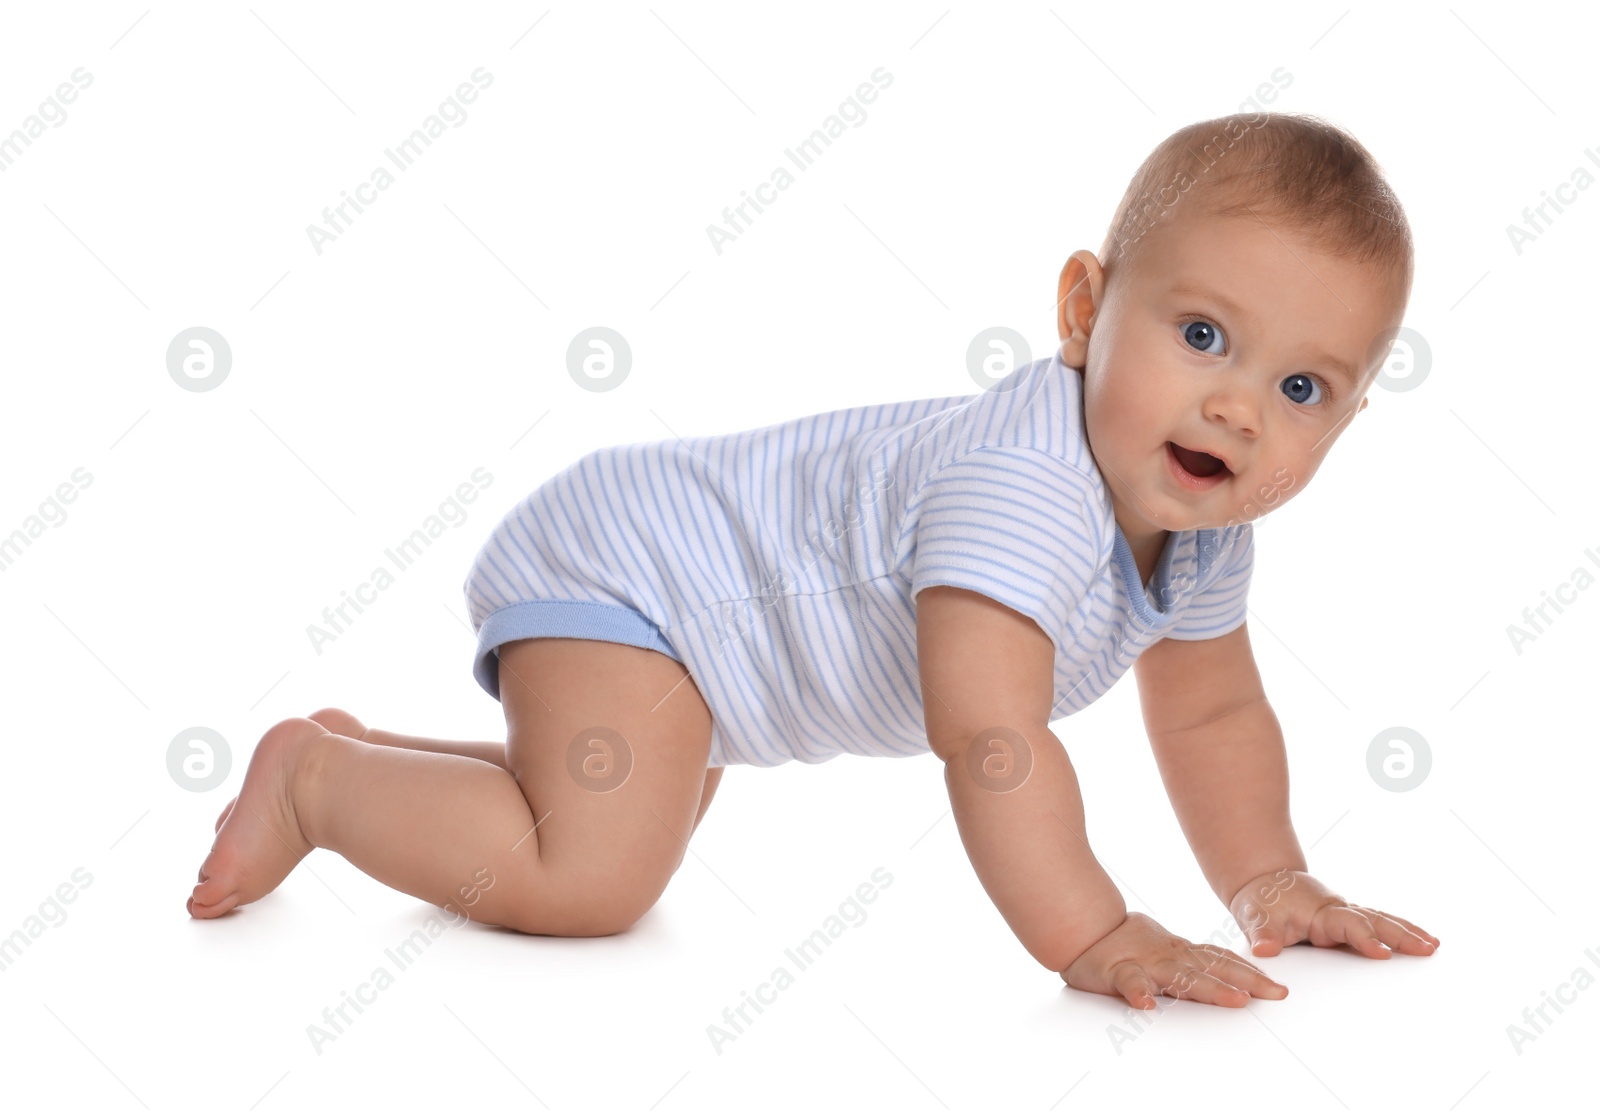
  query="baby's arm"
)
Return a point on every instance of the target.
[
  {"x": 1220, "y": 750},
  {"x": 1221, "y": 754},
  {"x": 988, "y": 692}
]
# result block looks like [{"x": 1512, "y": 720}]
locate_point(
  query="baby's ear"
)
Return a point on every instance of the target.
[{"x": 1079, "y": 294}]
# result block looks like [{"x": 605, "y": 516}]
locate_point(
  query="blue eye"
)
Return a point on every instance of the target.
[
  {"x": 1300, "y": 389},
  {"x": 1201, "y": 334}
]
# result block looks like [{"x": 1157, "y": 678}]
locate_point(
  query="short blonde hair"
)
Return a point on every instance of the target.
[{"x": 1294, "y": 170}]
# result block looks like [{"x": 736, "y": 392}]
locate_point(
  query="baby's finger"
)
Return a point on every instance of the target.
[
  {"x": 1411, "y": 938},
  {"x": 1231, "y": 967},
  {"x": 1134, "y": 985},
  {"x": 1190, "y": 983},
  {"x": 1266, "y": 941},
  {"x": 1234, "y": 969},
  {"x": 1345, "y": 925},
  {"x": 1223, "y": 950}
]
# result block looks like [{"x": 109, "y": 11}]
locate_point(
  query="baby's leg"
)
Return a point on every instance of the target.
[
  {"x": 341, "y": 722},
  {"x": 533, "y": 846}
]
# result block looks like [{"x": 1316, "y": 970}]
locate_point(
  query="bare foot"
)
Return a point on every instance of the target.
[
  {"x": 259, "y": 844},
  {"x": 336, "y": 720},
  {"x": 340, "y": 722}
]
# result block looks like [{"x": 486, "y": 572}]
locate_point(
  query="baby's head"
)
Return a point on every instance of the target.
[{"x": 1246, "y": 297}]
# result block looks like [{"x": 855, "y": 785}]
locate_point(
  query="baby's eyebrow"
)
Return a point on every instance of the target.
[
  {"x": 1200, "y": 290},
  {"x": 1342, "y": 368}
]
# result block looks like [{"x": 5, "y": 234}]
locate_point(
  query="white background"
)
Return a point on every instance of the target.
[{"x": 369, "y": 381}]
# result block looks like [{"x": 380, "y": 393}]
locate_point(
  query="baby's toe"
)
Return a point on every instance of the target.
[
  {"x": 340, "y": 722},
  {"x": 213, "y": 895},
  {"x": 228, "y": 809}
]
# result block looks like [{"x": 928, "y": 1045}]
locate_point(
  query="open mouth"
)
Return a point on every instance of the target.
[{"x": 1198, "y": 470}]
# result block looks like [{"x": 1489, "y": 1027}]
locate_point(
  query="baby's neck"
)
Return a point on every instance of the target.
[{"x": 1147, "y": 552}]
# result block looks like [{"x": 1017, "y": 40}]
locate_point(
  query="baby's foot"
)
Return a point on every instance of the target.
[
  {"x": 336, "y": 720},
  {"x": 340, "y": 722},
  {"x": 261, "y": 841}
]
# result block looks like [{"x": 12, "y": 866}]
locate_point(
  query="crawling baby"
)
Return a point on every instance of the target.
[{"x": 951, "y": 575}]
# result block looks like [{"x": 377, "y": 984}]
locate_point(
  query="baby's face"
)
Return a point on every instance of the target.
[{"x": 1230, "y": 338}]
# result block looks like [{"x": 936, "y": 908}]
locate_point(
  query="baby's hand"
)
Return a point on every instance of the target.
[
  {"x": 1283, "y": 907},
  {"x": 1139, "y": 960}
]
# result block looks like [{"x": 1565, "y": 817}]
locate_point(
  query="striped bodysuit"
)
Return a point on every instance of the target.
[{"x": 780, "y": 565}]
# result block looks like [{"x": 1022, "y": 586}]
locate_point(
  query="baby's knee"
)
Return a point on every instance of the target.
[
  {"x": 582, "y": 906},
  {"x": 600, "y": 922}
]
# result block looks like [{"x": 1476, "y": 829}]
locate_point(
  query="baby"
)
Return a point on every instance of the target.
[{"x": 950, "y": 575}]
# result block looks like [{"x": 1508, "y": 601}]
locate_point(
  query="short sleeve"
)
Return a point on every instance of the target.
[
  {"x": 1019, "y": 525},
  {"x": 1218, "y": 605}
]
